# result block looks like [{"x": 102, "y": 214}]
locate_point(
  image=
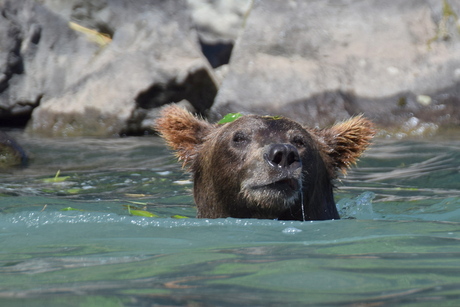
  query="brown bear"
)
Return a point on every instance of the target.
[{"x": 266, "y": 167}]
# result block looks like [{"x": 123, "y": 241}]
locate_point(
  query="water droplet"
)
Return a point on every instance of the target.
[{"x": 291, "y": 230}]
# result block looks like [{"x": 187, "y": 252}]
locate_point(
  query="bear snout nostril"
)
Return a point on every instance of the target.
[
  {"x": 293, "y": 156},
  {"x": 277, "y": 158},
  {"x": 282, "y": 155}
]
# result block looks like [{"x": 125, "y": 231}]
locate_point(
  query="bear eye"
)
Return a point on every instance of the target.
[
  {"x": 240, "y": 138},
  {"x": 298, "y": 142}
]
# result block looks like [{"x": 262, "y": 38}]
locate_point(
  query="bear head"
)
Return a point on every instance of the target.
[{"x": 263, "y": 166}]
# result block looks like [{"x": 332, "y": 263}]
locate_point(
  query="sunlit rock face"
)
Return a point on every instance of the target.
[
  {"x": 321, "y": 61},
  {"x": 99, "y": 68},
  {"x": 103, "y": 68}
]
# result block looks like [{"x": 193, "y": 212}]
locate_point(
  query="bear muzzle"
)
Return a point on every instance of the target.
[
  {"x": 283, "y": 157},
  {"x": 278, "y": 178}
]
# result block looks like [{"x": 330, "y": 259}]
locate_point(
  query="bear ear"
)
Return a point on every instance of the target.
[
  {"x": 182, "y": 131},
  {"x": 346, "y": 141}
]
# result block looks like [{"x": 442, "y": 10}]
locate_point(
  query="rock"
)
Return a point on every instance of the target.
[
  {"x": 39, "y": 57},
  {"x": 220, "y": 20},
  {"x": 11, "y": 153},
  {"x": 93, "y": 84},
  {"x": 109, "y": 69},
  {"x": 218, "y": 24},
  {"x": 320, "y": 62}
]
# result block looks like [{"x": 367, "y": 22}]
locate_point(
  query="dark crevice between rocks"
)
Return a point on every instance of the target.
[
  {"x": 36, "y": 34},
  {"x": 199, "y": 89},
  {"x": 217, "y": 54},
  {"x": 19, "y": 116},
  {"x": 17, "y": 121}
]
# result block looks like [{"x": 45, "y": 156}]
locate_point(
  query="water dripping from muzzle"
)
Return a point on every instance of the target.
[{"x": 303, "y": 205}]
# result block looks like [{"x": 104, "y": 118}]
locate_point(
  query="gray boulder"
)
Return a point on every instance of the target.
[
  {"x": 320, "y": 61},
  {"x": 39, "y": 57},
  {"x": 90, "y": 84},
  {"x": 219, "y": 21},
  {"x": 11, "y": 153}
]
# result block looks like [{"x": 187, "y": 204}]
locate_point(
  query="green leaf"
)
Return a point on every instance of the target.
[
  {"x": 142, "y": 213},
  {"x": 406, "y": 189},
  {"x": 60, "y": 179},
  {"x": 56, "y": 178},
  {"x": 179, "y": 217},
  {"x": 229, "y": 118},
  {"x": 70, "y": 209},
  {"x": 138, "y": 212}
]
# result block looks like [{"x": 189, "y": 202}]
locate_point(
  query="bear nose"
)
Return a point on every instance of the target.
[{"x": 283, "y": 156}]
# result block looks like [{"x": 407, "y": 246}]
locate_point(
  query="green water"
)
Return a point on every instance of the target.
[{"x": 70, "y": 240}]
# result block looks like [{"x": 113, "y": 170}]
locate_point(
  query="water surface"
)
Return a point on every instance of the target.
[{"x": 70, "y": 240}]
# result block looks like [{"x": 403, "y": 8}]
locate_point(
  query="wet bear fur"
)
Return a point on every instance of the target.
[{"x": 263, "y": 166}]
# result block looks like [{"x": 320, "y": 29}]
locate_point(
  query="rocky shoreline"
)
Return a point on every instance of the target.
[{"x": 104, "y": 68}]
